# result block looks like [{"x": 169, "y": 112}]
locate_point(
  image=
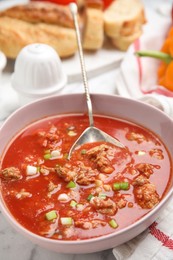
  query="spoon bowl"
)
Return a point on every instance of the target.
[{"x": 91, "y": 134}]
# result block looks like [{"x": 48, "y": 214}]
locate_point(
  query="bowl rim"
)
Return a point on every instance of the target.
[{"x": 92, "y": 95}]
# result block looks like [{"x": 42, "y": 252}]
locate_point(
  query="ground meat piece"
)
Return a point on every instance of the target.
[
  {"x": 132, "y": 136},
  {"x": 130, "y": 204},
  {"x": 46, "y": 170},
  {"x": 86, "y": 175},
  {"x": 41, "y": 133},
  {"x": 140, "y": 180},
  {"x": 53, "y": 129},
  {"x": 157, "y": 153},
  {"x": 99, "y": 148},
  {"x": 104, "y": 165},
  {"x": 146, "y": 195},
  {"x": 131, "y": 170},
  {"x": 67, "y": 172},
  {"x": 145, "y": 168},
  {"x": 68, "y": 232},
  {"x": 29, "y": 158},
  {"x": 45, "y": 142},
  {"x": 23, "y": 194},
  {"x": 121, "y": 203},
  {"x": 75, "y": 195},
  {"x": 82, "y": 223},
  {"x": 11, "y": 173},
  {"x": 51, "y": 186},
  {"x": 82, "y": 174},
  {"x": 52, "y": 134},
  {"x": 48, "y": 228},
  {"x": 51, "y": 139},
  {"x": 99, "y": 154},
  {"x": 107, "y": 207}
]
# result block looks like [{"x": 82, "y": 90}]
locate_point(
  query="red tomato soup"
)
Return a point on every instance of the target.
[{"x": 91, "y": 194}]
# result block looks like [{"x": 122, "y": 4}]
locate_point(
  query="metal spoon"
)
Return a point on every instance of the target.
[{"x": 90, "y": 134}]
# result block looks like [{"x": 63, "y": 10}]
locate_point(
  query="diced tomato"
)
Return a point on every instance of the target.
[
  {"x": 107, "y": 3},
  {"x": 66, "y": 2},
  {"x": 61, "y": 2}
]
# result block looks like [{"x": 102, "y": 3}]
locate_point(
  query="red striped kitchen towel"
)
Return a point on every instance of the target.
[{"x": 155, "y": 243}]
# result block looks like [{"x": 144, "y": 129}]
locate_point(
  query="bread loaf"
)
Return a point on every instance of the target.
[
  {"x": 45, "y": 12},
  {"x": 123, "y": 42},
  {"x": 37, "y": 22},
  {"x": 80, "y": 4},
  {"x": 93, "y": 34},
  {"x": 121, "y": 17},
  {"x": 15, "y": 34},
  {"x": 52, "y": 24}
]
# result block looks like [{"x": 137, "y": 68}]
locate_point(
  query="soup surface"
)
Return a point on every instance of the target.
[{"x": 101, "y": 189}]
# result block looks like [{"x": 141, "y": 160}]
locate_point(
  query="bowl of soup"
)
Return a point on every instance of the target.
[{"x": 101, "y": 197}]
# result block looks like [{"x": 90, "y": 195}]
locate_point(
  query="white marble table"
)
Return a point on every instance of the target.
[{"x": 13, "y": 246}]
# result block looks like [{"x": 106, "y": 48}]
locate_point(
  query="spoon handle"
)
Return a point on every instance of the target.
[{"x": 73, "y": 8}]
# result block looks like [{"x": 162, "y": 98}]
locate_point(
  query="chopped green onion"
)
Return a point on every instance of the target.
[
  {"x": 73, "y": 203},
  {"x": 90, "y": 197},
  {"x": 121, "y": 186},
  {"x": 38, "y": 169},
  {"x": 65, "y": 156},
  {"x": 51, "y": 215},
  {"x": 116, "y": 186},
  {"x": 83, "y": 151},
  {"x": 102, "y": 195},
  {"x": 113, "y": 223},
  {"x": 124, "y": 185},
  {"x": 47, "y": 156},
  {"x": 71, "y": 184},
  {"x": 66, "y": 221}
]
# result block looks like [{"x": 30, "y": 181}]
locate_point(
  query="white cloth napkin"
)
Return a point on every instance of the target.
[{"x": 137, "y": 80}]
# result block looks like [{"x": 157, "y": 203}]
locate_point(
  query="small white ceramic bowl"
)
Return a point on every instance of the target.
[
  {"x": 3, "y": 62},
  {"x": 131, "y": 110},
  {"x": 38, "y": 72}
]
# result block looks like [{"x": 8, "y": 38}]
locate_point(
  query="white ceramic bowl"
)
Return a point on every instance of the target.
[
  {"x": 38, "y": 72},
  {"x": 135, "y": 111},
  {"x": 3, "y": 62}
]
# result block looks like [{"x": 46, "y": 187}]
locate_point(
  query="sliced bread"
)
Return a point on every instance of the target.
[{"x": 121, "y": 17}]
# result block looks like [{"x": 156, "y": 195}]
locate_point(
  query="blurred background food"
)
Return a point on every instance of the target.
[
  {"x": 165, "y": 56},
  {"x": 165, "y": 70},
  {"x": 37, "y": 22},
  {"x": 120, "y": 22},
  {"x": 123, "y": 21}
]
